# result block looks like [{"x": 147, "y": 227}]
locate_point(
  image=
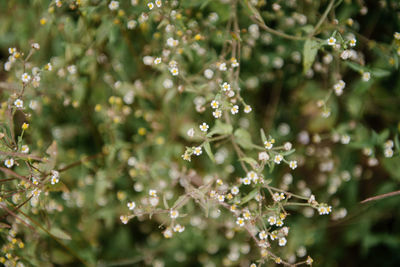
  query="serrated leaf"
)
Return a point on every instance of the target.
[
  {"x": 207, "y": 148},
  {"x": 310, "y": 51},
  {"x": 57, "y": 232},
  {"x": 243, "y": 138}
]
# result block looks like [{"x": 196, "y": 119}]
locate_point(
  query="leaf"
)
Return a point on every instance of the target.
[
  {"x": 379, "y": 73},
  {"x": 263, "y": 137},
  {"x": 165, "y": 202},
  {"x": 57, "y": 232},
  {"x": 207, "y": 148},
  {"x": 243, "y": 138},
  {"x": 249, "y": 160},
  {"x": 220, "y": 128},
  {"x": 249, "y": 196},
  {"x": 396, "y": 142},
  {"x": 309, "y": 53}
]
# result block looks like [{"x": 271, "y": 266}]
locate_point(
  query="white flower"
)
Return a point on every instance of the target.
[
  {"x": 293, "y": 164},
  {"x": 235, "y": 190},
  {"x": 240, "y": 221},
  {"x": 278, "y": 158},
  {"x": 9, "y": 162},
  {"x": 124, "y": 219},
  {"x": 338, "y": 87},
  {"x": 235, "y": 109},
  {"x": 131, "y": 205},
  {"x": 388, "y": 152},
  {"x": 282, "y": 241},
  {"x": 197, "y": 151},
  {"x": 389, "y": 144},
  {"x": 208, "y": 74},
  {"x": 246, "y": 180},
  {"x": 278, "y": 196},
  {"x": 154, "y": 201},
  {"x": 272, "y": 220},
  {"x": 252, "y": 175},
  {"x": 345, "y": 139},
  {"x": 214, "y": 104},
  {"x": 152, "y": 193},
  {"x": 331, "y": 41},
  {"x": 131, "y": 24},
  {"x": 217, "y": 113},
  {"x": 150, "y": 5},
  {"x": 157, "y": 60},
  {"x": 263, "y": 156},
  {"x": 168, "y": 233},
  {"x": 221, "y": 198},
  {"x": 222, "y": 67},
  {"x": 226, "y": 86},
  {"x": 204, "y": 127},
  {"x": 324, "y": 209},
  {"x": 396, "y": 36},
  {"x": 19, "y": 103},
  {"x": 172, "y": 42},
  {"x": 158, "y": 3},
  {"x": 54, "y": 177},
  {"x": 173, "y": 214},
  {"x": 352, "y": 42},
  {"x": 25, "y": 77},
  {"x": 179, "y": 228},
  {"x": 174, "y": 71},
  {"x": 263, "y": 235},
  {"x": 366, "y": 76},
  {"x": 190, "y": 132},
  {"x": 71, "y": 69},
  {"x": 113, "y": 5},
  {"x": 25, "y": 149},
  {"x": 247, "y": 109},
  {"x": 287, "y": 146}
]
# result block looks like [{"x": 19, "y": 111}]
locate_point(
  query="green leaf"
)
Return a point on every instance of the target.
[
  {"x": 379, "y": 73},
  {"x": 263, "y": 137},
  {"x": 207, "y": 148},
  {"x": 57, "y": 232},
  {"x": 243, "y": 138},
  {"x": 309, "y": 53},
  {"x": 249, "y": 196},
  {"x": 249, "y": 160},
  {"x": 396, "y": 142},
  {"x": 220, "y": 128}
]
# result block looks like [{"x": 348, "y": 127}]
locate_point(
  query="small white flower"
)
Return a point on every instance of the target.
[
  {"x": 352, "y": 42},
  {"x": 268, "y": 144},
  {"x": 287, "y": 146},
  {"x": 9, "y": 162},
  {"x": 131, "y": 24},
  {"x": 217, "y": 113},
  {"x": 388, "y": 152},
  {"x": 278, "y": 158},
  {"x": 246, "y": 180},
  {"x": 252, "y": 175},
  {"x": 293, "y": 164},
  {"x": 158, "y": 3},
  {"x": 174, "y": 71},
  {"x": 124, "y": 219},
  {"x": 190, "y": 132},
  {"x": 272, "y": 220},
  {"x": 247, "y": 109},
  {"x": 25, "y": 77},
  {"x": 174, "y": 214},
  {"x": 19, "y": 103},
  {"x": 54, "y": 177},
  {"x": 150, "y": 5},
  {"x": 197, "y": 151},
  {"x": 152, "y": 193},
  {"x": 25, "y": 149},
  {"x": 226, "y": 86},
  {"x": 338, "y": 87},
  {"x": 235, "y": 109},
  {"x": 345, "y": 139},
  {"x": 35, "y": 46},
  {"x": 235, "y": 190},
  {"x": 263, "y": 235},
  {"x": 221, "y": 198},
  {"x": 131, "y": 205},
  {"x": 396, "y": 36},
  {"x": 282, "y": 241},
  {"x": 331, "y": 41},
  {"x": 113, "y": 5},
  {"x": 208, "y": 74},
  {"x": 240, "y": 221},
  {"x": 157, "y": 61},
  {"x": 366, "y": 76},
  {"x": 324, "y": 209},
  {"x": 204, "y": 127},
  {"x": 214, "y": 104},
  {"x": 263, "y": 156},
  {"x": 222, "y": 67},
  {"x": 179, "y": 228}
]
